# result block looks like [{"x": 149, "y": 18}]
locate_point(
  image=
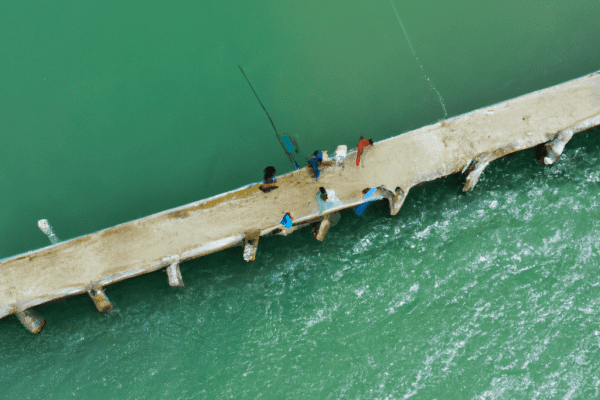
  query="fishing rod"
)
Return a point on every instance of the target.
[{"x": 287, "y": 151}]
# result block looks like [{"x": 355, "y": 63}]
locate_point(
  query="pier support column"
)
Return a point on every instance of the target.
[
  {"x": 554, "y": 148},
  {"x": 320, "y": 228},
  {"x": 396, "y": 199},
  {"x": 48, "y": 231},
  {"x": 100, "y": 299},
  {"x": 174, "y": 274},
  {"x": 475, "y": 169},
  {"x": 31, "y": 320},
  {"x": 251, "y": 245}
]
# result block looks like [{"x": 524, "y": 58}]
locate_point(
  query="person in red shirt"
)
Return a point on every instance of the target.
[{"x": 361, "y": 147}]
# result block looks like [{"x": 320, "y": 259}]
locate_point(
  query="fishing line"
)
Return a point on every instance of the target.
[
  {"x": 287, "y": 151},
  {"x": 417, "y": 59},
  {"x": 263, "y": 107}
]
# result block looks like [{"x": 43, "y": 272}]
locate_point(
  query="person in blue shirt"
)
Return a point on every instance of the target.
[
  {"x": 367, "y": 193},
  {"x": 315, "y": 160},
  {"x": 287, "y": 220}
]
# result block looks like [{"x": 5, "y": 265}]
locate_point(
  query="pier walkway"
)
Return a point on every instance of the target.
[{"x": 466, "y": 143}]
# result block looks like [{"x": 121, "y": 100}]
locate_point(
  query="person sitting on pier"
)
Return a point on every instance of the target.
[
  {"x": 269, "y": 180},
  {"x": 269, "y": 174},
  {"x": 326, "y": 199},
  {"x": 361, "y": 147},
  {"x": 367, "y": 193},
  {"x": 287, "y": 220},
  {"x": 315, "y": 160}
]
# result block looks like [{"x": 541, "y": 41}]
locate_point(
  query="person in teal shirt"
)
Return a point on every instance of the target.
[
  {"x": 360, "y": 209},
  {"x": 287, "y": 220}
]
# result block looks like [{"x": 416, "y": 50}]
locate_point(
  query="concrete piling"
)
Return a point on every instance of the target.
[
  {"x": 48, "y": 231},
  {"x": 554, "y": 148},
  {"x": 174, "y": 274},
  {"x": 320, "y": 228},
  {"x": 474, "y": 171},
  {"x": 100, "y": 299},
  {"x": 251, "y": 245},
  {"x": 31, "y": 320},
  {"x": 396, "y": 199}
]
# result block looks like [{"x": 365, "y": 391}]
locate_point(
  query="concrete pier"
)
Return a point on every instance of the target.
[{"x": 467, "y": 143}]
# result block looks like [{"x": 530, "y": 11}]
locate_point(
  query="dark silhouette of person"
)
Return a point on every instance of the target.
[
  {"x": 269, "y": 174},
  {"x": 269, "y": 180}
]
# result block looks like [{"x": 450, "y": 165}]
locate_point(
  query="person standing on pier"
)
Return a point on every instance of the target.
[
  {"x": 327, "y": 199},
  {"x": 315, "y": 160},
  {"x": 361, "y": 147}
]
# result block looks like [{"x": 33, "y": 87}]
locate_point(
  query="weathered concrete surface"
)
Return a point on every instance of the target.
[{"x": 157, "y": 241}]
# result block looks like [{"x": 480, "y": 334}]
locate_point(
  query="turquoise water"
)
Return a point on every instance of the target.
[{"x": 109, "y": 113}]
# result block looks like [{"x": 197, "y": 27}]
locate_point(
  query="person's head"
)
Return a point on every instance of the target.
[
  {"x": 365, "y": 190},
  {"x": 361, "y": 138},
  {"x": 315, "y": 153},
  {"x": 269, "y": 172},
  {"x": 371, "y": 141}
]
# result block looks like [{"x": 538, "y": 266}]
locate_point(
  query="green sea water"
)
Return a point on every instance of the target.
[{"x": 116, "y": 110}]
